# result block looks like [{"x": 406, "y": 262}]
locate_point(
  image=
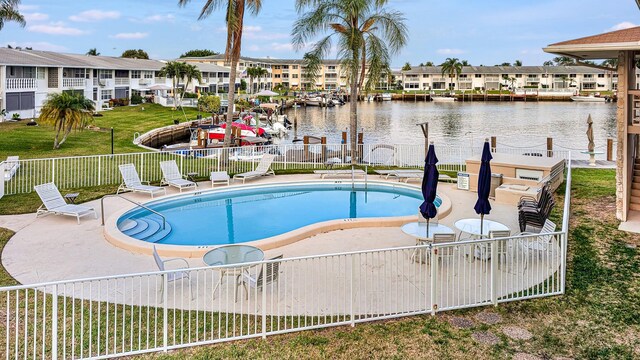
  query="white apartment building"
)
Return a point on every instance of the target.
[
  {"x": 582, "y": 78},
  {"x": 28, "y": 76}
]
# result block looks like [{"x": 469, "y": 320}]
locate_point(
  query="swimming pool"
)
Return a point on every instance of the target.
[{"x": 253, "y": 213}]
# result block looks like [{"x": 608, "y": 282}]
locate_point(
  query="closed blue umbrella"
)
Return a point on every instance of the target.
[
  {"x": 429, "y": 186},
  {"x": 484, "y": 184}
]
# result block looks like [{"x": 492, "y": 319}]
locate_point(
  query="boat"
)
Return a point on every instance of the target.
[
  {"x": 386, "y": 97},
  {"x": 315, "y": 101},
  {"x": 443, "y": 99},
  {"x": 579, "y": 98}
]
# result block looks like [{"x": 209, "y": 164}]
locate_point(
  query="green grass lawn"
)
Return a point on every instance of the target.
[
  {"x": 597, "y": 318},
  {"x": 37, "y": 141}
]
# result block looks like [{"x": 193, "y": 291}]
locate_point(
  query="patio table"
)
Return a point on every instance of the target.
[
  {"x": 230, "y": 255},
  {"x": 472, "y": 227},
  {"x": 418, "y": 230}
]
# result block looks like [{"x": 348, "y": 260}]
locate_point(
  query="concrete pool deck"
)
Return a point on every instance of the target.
[{"x": 54, "y": 248}]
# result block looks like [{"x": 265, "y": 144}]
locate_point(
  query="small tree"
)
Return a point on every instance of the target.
[
  {"x": 176, "y": 71},
  {"x": 209, "y": 104},
  {"x": 66, "y": 112},
  {"x": 517, "y": 63},
  {"x": 198, "y": 53},
  {"x": 406, "y": 67},
  {"x": 135, "y": 54},
  {"x": 93, "y": 52},
  {"x": 243, "y": 85}
]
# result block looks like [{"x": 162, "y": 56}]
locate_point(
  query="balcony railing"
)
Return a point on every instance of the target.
[
  {"x": 22, "y": 83},
  {"x": 145, "y": 81},
  {"x": 122, "y": 81},
  {"x": 73, "y": 82},
  {"x": 160, "y": 80}
]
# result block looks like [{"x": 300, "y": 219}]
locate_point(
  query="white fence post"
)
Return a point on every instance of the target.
[
  {"x": 352, "y": 293},
  {"x": 433, "y": 252},
  {"x": 54, "y": 324},
  {"x": 264, "y": 298},
  {"x": 165, "y": 313},
  {"x": 99, "y": 170},
  {"x": 2, "y": 180},
  {"x": 53, "y": 170},
  {"x": 494, "y": 272}
]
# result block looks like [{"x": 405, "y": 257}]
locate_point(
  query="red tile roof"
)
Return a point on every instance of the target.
[{"x": 618, "y": 36}]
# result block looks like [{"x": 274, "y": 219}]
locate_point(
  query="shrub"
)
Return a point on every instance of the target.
[
  {"x": 209, "y": 103},
  {"x": 136, "y": 99}
]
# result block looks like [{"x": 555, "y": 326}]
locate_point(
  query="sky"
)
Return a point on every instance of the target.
[{"x": 484, "y": 32}]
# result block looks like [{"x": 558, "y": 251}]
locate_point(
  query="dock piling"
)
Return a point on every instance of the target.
[
  {"x": 609, "y": 149},
  {"x": 549, "y": 147}
]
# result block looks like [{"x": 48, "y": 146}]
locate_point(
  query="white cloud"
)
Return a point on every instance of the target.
[
  {"x": 36, "y": 16},
  {"x": 23, "y": 7},
  {"x": 281, "y": 46},
  {"x": 254, "y": 48},
  {"x": 196, "y": 27},
  {"x": 256, "y": 33},
  {"x": 38, "y": 45},
  {"x": 130, "y": 36},
  {"x": 95, "y": 15},
  {"x": 55, "y": 28},
  {"x": 450, "y": 51},
  {"x": 154, "y": 18},
  {"x": 623, "y": 25}
]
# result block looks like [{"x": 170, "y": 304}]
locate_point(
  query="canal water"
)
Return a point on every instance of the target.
[{"x": 515, "y": 124}]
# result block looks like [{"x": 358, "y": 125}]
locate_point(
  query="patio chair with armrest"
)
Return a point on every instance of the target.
[
  {"x": 448, "y": 251},
  {"x": 53, "y": 203},
  {"x": 540, "y": 242},
  {"x": 502, "y": 246},
  {"x": 172, "y": 276},
  {"x": 264, "y": 278},
  {"x": 219, "y": 177}
]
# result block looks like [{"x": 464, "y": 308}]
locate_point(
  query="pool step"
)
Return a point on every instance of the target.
[
  {"x": 127, "y": 225},
  {"x": 141, "y": 226},
  {"x": 152, "y": 228},
  {"x": 161, "y": 233}
]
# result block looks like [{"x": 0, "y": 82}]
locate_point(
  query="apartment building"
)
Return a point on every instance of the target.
[
  {"x": 285, "y": 72},
  {"x": 582, "y": 78},
  {"x": 27, "y": 77}
]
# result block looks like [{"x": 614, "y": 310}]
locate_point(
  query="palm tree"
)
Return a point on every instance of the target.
[
  {"x": 465, "y": 63},
  {"x": 451, "y": 67},
  {"x": 93, "y": 52},
  {"x": 255, "y": 72},
  {"x": 175, "y": 70},
  {"x": 547, "y": 63},
  {"x": 365, "y": 32},
  {"x": 517, "y": 63},
  {"x": 234, "y": 17},
  {"x": 9, "y": 12},
  {"x": 428, "y": 63},
  {"x": 564, "y": 60},
  {"x": 261, "y": 72},
  {"x": 190, "y": 73},
  {"x": 66, "y": 112},
  {"x": 406, "y": 67}
]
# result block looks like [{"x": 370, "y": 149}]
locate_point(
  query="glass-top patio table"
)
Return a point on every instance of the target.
[
  {"x": 419, "y": 230},
  {"x": 230, "y": 255},
  {"x": 472, "y": 227}
]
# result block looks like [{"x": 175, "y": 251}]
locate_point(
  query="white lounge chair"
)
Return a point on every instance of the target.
[
  {"x": 263, "y": 169},
  {"x": 53, "y": 203},
  {"x": 336, "y": 173},
  {"x": 219, "y": 177},
  {"x": 131, "y": 182},
  {"x": 11, "y": 166},
  {"x": 171, "y": 176}
]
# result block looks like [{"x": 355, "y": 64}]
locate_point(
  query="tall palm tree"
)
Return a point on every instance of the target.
[
  {"x": 93, "y": 52},
  {"x": 261, "y": 72},
  {"x": 190, "y": 73},
  {"x": 364, "y": 30},
  {"x": 9, "y": 12},
  {"x": 253, "y": 73},
  {"x": 517, "y": 63},
  {"x": 451, "y": 67},
  {"x": 465, "y": 63},
  {"x": 66, "y": 112},
  {"x": 234, "y": 17},
  {"x": 176, "y": 71}
]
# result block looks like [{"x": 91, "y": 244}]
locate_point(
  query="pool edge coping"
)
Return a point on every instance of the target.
[{"x": 116, "y": 238}]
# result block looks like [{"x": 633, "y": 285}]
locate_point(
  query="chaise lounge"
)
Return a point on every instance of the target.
[
  {"x": 171, "y": 176},
  {"x": 53, "y": 203},
  {"x": 263, "y": 169},
  {"x": 131, "y": 182}
]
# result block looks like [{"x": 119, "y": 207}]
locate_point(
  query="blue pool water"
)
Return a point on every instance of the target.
[{"x": 243, "y": 215}]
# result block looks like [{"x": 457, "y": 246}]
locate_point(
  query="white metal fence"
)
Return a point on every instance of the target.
[
  {"x": 123, "y": 315},
  {"x": 98, "y": 170}
]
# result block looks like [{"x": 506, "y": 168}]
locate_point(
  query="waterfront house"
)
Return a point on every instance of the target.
[{"x": 623, "y": 45}]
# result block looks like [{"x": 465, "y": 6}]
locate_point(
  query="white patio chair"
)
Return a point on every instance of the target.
[
  {"x": 172, "y": 276},
  {"x": 171, "y": 176},
  {"x": 53, "y": 203},
  {"x": 131, "y": 182},
  {"x": 502, "y": 246},
  {"x": 263, "y": 169},
  {"x": 539, "y": 243},
  {"x": 445, "y": 252},
  {"x": 219, "y": 177},
  {"x": 256, "y": 282}
]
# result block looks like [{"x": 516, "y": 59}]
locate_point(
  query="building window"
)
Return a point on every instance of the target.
[
  {"x": 147, "y": 74},
  {"x": 277, "y": 76},
  {"x": 295, "y": 76},
  {"x": 572, "y": 75},
  {"x": 589, "y": 86},
  {"x": 135, "y": 74},
  {"x": 425, "y": 75},
  {"x": 587, "y": 76},
  {"x": 277, "y": 67},
  {"x": 518, "y": 75},
  {"x": 106, "y": 94},
  {"x": 20, "y": 101},
  {"x": 105, "y": 74},
  {"x": 294, "y": 67},
  {"x": 41, "y": 73},
  {"x": 478, "y": 76},
  {"x": 601, "y": 76}
]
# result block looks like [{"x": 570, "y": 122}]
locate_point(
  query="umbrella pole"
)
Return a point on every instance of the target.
[
  {"x": 481, "y": 223},
  {"x": 428, "y": 227}
]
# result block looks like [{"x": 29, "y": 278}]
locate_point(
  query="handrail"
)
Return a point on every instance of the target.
[
  {"x": 567, "y": 199},
  {"x": 164, "y": 219}
]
